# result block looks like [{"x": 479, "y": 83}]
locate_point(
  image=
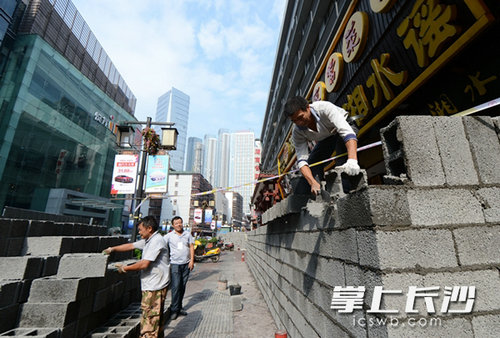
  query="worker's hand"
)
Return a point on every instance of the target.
[
  {"x": 107, "y": 251},
  {"x": 315, "y": 188},
  {"x": 120, "y": 268},
  {"x": 351, "y": 167},
  {"x": 191, "y": 265}
]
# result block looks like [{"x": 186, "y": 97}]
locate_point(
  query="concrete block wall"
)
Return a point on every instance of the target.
[
  {"x": 55, "y": 282},
  {"x": 437, "y": 225}
]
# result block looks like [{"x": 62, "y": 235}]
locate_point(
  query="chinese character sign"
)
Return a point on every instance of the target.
[
  {"x": 197, "y": 215},
  {"x": 124, "y": 174},
  {"x": 157, "y": 174}
]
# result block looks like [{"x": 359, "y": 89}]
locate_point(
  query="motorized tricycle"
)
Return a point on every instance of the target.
[{"x": 205, "y": 252}]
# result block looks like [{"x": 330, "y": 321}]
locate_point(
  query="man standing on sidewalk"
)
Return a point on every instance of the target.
[
  {"x": 181, "y": 245},
  {"x": 154, "y": 274}
]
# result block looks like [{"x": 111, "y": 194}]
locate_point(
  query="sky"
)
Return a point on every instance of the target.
[{"x": 219, "y": 52}]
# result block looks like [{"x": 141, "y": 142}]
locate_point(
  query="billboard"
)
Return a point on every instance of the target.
[
  {"x": 208, "y": 216},
  {"x": 197, "y": 215},
  {"x": 157, "y": 174},
  {"x": 124, "y": 174}
]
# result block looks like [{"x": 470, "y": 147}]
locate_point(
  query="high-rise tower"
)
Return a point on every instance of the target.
[
  {"x": 242, "y": 165},
  {"x": 173, "y": 106},
  {"x": 194, "y": 155}
]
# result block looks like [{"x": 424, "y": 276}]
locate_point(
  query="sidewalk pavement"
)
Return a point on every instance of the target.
[{"x": 210, "y": 310}]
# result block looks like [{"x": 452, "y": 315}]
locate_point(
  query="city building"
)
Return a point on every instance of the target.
[
  {"x": 61, "y": 99},
  {"x": 374, "y": 59},
  {"x": 209, "y": 159},
  {"x": 235, "y": 213},
  {"x": 243, "y": 166},
  {"x": 173, "y": 106},
  {"x": 194, "y": 155},
  {"x": 223, "y": 158}
]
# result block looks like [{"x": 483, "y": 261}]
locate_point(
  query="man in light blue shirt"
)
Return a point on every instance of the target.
[{"x": 181, "y": 245}]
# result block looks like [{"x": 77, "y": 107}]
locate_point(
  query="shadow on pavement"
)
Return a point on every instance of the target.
[
  {"x": 185, "y": 326},
  {"x": 203, "y": 274},
  {"x": 198, "y": 297}
]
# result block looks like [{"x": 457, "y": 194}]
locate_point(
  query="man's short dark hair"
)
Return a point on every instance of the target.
[
  {"x": 150, "y": 221},
  {"x": 295, "y": 104},
  {"x": 176, "y": 218}
]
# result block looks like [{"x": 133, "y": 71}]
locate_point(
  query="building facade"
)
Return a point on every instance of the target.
[
  {"x": 235, "y": 214},
  {"x": 61, "y": 99},
  {"x": 378, "y": 60},
  {"x": 209, "y": 159},
  {"x": 243, "y": 166},
  {"x": 173, "y": 106},
  {"x": 194, "y": 155},
  {"x": 223, "y": 158}
]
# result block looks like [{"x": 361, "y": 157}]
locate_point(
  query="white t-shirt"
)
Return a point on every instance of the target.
[
  {"x": 179, "y": 246},
  {"x": 155, "y": 250}
]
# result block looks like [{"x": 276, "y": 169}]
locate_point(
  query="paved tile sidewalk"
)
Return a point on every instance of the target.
[{"x": 209, "y": 310}]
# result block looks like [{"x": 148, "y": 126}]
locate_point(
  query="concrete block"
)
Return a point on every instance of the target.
[
  {"x": 82, "y": 265},
  {"x": 48, "y": 314},
  {"x": 486, "y": 326},
  {"x": 21, "y": 267},
  {"x": 66, "y": 229},
  {"x": 41, "y": 228},
  {"x": 53, "y": 290},
  {"x": 50, "y": 265},
  {"x": 455, "y": 151},
  {"x": 25, "y": 290},
  {"x": 4, "y": 242},
  {"x": 9, "y": 293},
  {"x": 485, "y": 147},
  {"x": 55, "y": 246},
  {"x": 388, "y": 206},
  {"x": 444, "y": 207},
  {"x": 406, "y": 249},
  {"x": 490, "y": 200},
  {"x": 8, "y": 316},
  {"x": 85, "y": 244},
  {"x": 5, "y": 228},
  {"x": 478, "y": 245},
  {"x": 236, "y": 304},
  {"x": 31, "y": 332},
  {"x": 354, "y": 210},
  {"x": 15, "y": 246},
  {"x": 102, "y": 298},
  {"x": 19, "y": 228},
  {"x": 421, "y": 152}
]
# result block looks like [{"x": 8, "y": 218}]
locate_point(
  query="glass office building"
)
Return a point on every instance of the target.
[{"x": 57, "y": 128}]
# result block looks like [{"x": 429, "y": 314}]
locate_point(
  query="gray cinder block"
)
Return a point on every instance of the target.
[
  {"x": 19, "y": 227},
  {"x": 55, "y": 246},
  {"x": 50, "y": 265},
  {"x": 21, "y": 267},
  {"x": 56, "y": 315},
  {"x": 8, "y": 317},
  {"x": 455, "y": 151},
  {"x": 9, "y": 293},
  {"x": 478, "y": 245},
  {"x": 82, "y": 265},
  {"x": 485, "y": 147},
  {"x": 41, "y": 228},
  {"x": 54, "y": 290},
  {"x": 32, "y": 332},
  {"x": 490, "y": 199},
  {"x": 444, "y": 206}
]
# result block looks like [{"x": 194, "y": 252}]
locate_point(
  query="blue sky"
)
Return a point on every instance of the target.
[{"x": 219, "y": 52}]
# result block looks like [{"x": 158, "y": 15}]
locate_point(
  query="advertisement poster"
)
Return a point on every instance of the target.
[
  {"x": 157, "y": 174},
  {"x": 208, "y": 216},
  {"x": 197, "y": 215},
  {"x": 124, "y": 174}
]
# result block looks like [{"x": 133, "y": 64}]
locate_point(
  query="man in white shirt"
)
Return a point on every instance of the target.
[
  {"x": 181, "y": 247},
  {"x": 325, "y": 123},
  {"x": 155, "y": 274}
]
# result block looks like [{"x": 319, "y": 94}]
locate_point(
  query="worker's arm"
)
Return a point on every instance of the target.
[
  {"x": 315, "y": 186},
  {"x": 191, "y": 254},
  {"x": 351, "y": 167},
  {"x": 140, "y": 265},
  {"x": 119, "y": 248}
]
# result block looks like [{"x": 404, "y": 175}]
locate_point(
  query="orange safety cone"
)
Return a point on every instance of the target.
[
  {"x": 242, "y": 256},
  {"x": 280, "y": 334}
]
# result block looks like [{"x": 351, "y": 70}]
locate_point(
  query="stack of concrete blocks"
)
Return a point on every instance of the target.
[
  {"x": 54, "y": 279},
  {"x": 435, "y": 223}
]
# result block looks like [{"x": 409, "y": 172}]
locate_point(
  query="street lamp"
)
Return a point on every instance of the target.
[{"x": 124, "y": 137}]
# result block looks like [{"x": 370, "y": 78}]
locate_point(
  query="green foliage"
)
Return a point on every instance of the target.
[
  {"x": 138, "y": 253},
  {"x": 151, "y": 141},
  {"x": 203, "y": 241},
  {"x": 213, "y": 240}
]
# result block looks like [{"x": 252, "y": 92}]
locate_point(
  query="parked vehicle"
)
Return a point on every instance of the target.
[
  {"x": 124, "y": 179},
  {"x": 229, "y": 246},
  {"x": 202, "y": 252}
]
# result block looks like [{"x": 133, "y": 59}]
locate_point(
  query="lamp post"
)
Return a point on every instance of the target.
[{"x": 168, "y": 142}]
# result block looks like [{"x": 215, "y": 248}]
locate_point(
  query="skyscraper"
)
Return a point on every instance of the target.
[
  {"x": 194, "y": 155},
  {"x": 173, "y": 106},
  {"x": 209, "y": 158},
  {"x": 223, "y": 158},
  {"x": 242, "y": 165}
]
